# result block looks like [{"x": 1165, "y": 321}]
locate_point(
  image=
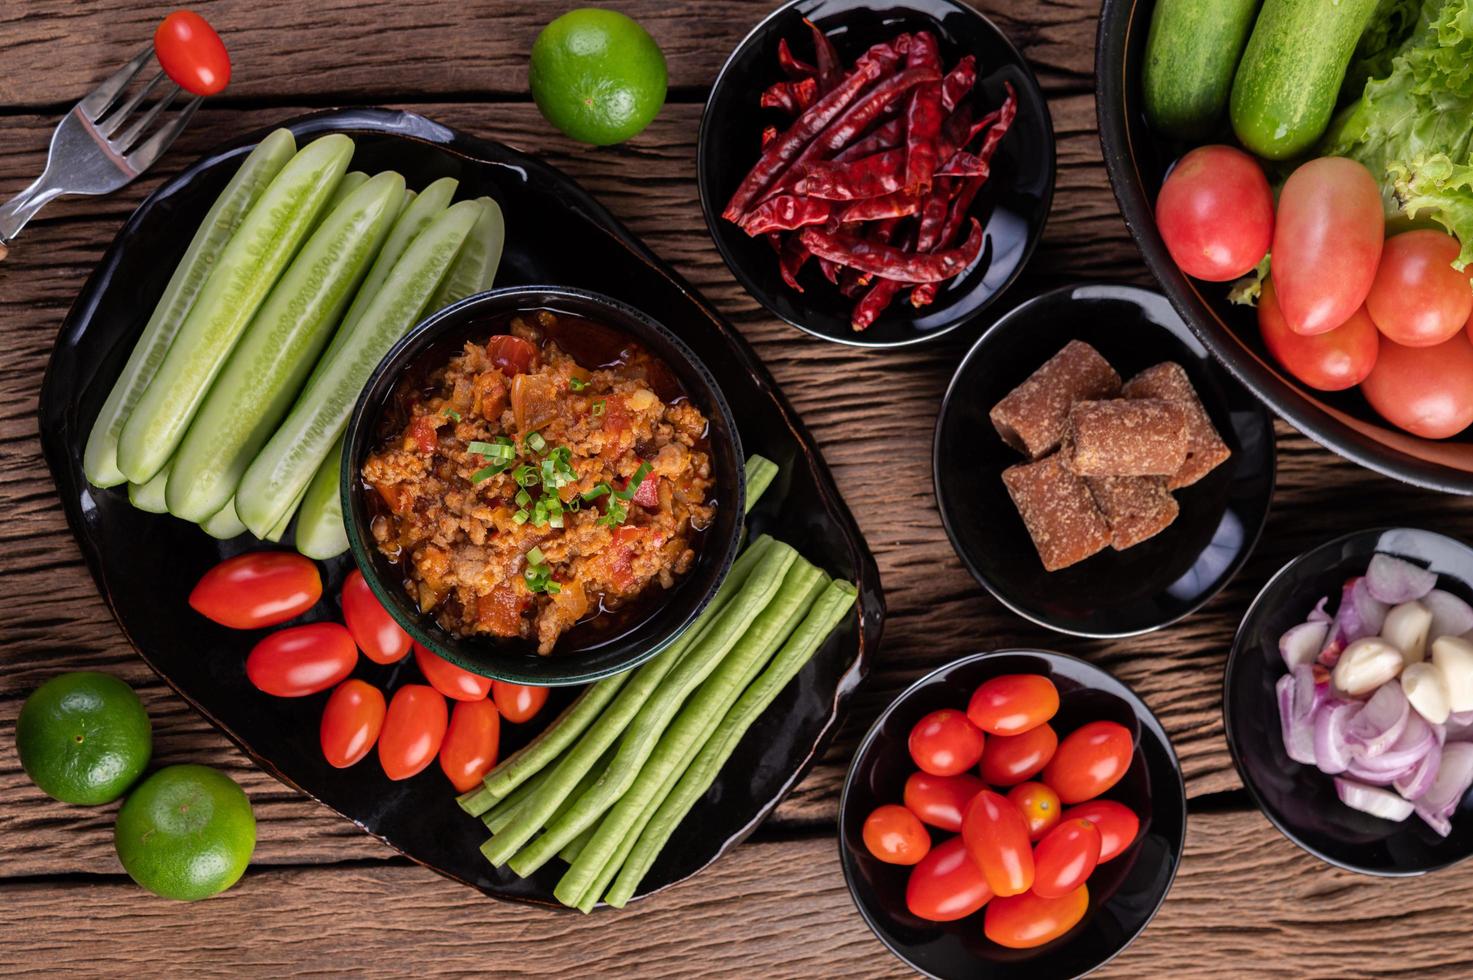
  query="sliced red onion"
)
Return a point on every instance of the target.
[
  {"x": 1459, "y": 726},
  {"x": 1369, "y": 611},
  {"x": 1418, "y": 780},
  {"x": 1296, "y": 726},
  {"x": 1318, "y": 614},
  {"x": 1451, "y": 616},
  {"x": 1383, "y": 721},
  {"x": 1331, "y": 751},
  {"x": 1369, "y": 799},
  {"x": 1416, "y": 740},
  {"x": 1375, "y": 777},
  {"x": 1301, "y": 644},
  {"x": 1394, "y": 581},
  {"x": 1454, "y": 776},
  {"x": 1438, "y": 821}
]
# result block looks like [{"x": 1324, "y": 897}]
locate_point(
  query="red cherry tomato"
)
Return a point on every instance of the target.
[
  {"x": 895, "y": 835},
  {"x": 381, "y": 639},
  {"x": 1090, "y": 760},
  {"x": 1010, "y": 759},
  {"x": 192, "y": 53},
  {"x": 1427, "y": 391},
  {"x": 302, "y": 660},
  {"x": 351, "y": 721},
  {"x": 414, "y": 728},
  {"x": 1330, "y": 361},
  {"x": 1040, "y": 807},
  {"x": 1013, "y": 703},
  {"x": 258, "y": 588},
  {"x": 1327, "y": 243},
  {"x": 941, "y": 800},
  {"x": 1065, "y": 858},
  {"x": 1027, "y": 921},
  {"x": 1116, "y": 822},
  {"x": 450, "y": 680},
  {"x": 997, "y": 839},
  {"x": 946, "y": 885},
  {"x": 1216, "y": 213},
  {"x": 1417, "y": 298},
  {"x": 471, "y": 742},
  {"x": 944, "y": 743},
  {"x": 518, "y": 702},
  {"x": 512, "y": 355}
]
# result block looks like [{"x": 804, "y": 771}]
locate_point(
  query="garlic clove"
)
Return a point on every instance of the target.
[
  {"x": 1364, "y": 666},
  {"x": 1453, "y": 656},
  {"x": 1425, "y": 689},
  {"x": 1406, "y": 629}
]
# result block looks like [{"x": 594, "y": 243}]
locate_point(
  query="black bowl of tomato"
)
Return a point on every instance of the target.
[{"x": 1095, "y": 809}]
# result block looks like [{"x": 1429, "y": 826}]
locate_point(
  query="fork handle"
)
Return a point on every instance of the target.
[{"x": 15, "y": 212}]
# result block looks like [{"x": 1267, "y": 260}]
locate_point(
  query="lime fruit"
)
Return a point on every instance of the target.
[
  {"x": 187, "y": 832},
  {"x": 597, "y": 75},
  {"x": 83, "y": 737}
]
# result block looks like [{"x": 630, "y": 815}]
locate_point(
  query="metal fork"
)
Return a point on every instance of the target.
[{"x": 91, "y": 151}]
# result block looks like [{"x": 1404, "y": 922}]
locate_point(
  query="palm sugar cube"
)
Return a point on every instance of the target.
[
  {"x": 1135, "y": 507},
  {"x": 1033, "y": 416},
  {"x": 1205, "y": 449},
  {"x": 1056, "y": 506},
  {"x": 1145, "y": 437}
]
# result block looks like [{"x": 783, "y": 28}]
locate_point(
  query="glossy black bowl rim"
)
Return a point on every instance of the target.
[
  {"x": 357, "y": 432},
  {"x": 712, "y": 212},
  {"x": 1125, "y": 692},
  {"x": 1003, "y": 322},
  {"x": 1230, "y": 668}
]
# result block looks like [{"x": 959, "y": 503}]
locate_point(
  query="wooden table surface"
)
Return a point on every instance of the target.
[{"x": 322, "y": 897}]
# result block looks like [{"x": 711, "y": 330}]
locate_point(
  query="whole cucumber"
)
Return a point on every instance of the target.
[{"x": 1192, "y": 51}]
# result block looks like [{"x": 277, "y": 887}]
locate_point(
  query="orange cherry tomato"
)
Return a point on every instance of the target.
[
  {"x": 1010, "y": 759},
  {"x": 471, "y": 743},
  {"x": 1116, "y": 822},
  {"x": 258, "y": 588},
  {"x": 944, "y": 743},
  {"x": 1065, "y": 858},
  {"x": 1025, "y": 921},
  {"x": 1013, "y": 703},
  {"x": 895, "y": 835},
  {"x": 413, "y": 731},
  {"x": 381, "y": 639},
  {"x": 1040, "y": 807},
  {"x": 192, "y": 53},
  {"x": 941, "y": 800},
  {"x": 452, "y": 681},
  {"x": 946, "y": 885},
  {"x": 351, "y": 721},
  {"x": 997, "y": 839},
  {"x": 518, "y": 702},
  {"x": 1089, "y": 760},
  {"x": 302, "y": 660}
]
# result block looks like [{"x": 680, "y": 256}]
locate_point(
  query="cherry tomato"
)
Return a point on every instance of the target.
[
  {"x": 413, "y": 730},
  {"x": 1027, "y": 921},
  {"x": 944, "y": 743},
  {"x": 1065, "y": 858},
  {"x": 302, "y": 660},
  {"x": 1040, "y": 807},
  {"x": 1216, "y": 213},
  {"x": 258, "y": 588},
  {"x": 1427, "y": 391},
  {"x": 895, "y": 835},
  {"x": 351, "y": 721},
  {"x": 1327, "y": 243},
  {"x": 518, "y": 702},
  {"x": 996, "y": 836},
  {"x": 941, "y": 800},
  {"x": 1013, "y": 703},
  {"x": 1090, "y": 760},
  {"x": 450, "y": 680},
  {"x": 1417, "y": 298},
  {"x": 1330, "y": 361},
  {"x": 946, "y": 885},
  {"x": 381, "y": 639},
  {"x": 1010, "y": 759},
  {"x": 512, "y": 355},
  {"x": 192, "y": 53},
  {"x": 471, "y": 741},
  {"x": 1116, "y": 822}
]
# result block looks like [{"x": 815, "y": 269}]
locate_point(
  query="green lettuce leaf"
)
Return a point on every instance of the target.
[{"x": 1441, "y": 190}]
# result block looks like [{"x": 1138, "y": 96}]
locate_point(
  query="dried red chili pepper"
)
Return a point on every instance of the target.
[
  {"x": 871, "y": 176},
  {"x": 958, "y": 83},
  {"x": 791, "y": 65},
  {"x": 829, "y": 268},
  {"x": 874, "y": 302},
  {"x": 923, "y": 115},
  {"x": 769, "y": 133},
  {"x": 792, "y": 254},
  {"x": 964, "y": 164},
  {"x": 785, "y": 212},
  {"x": 830, "y": 69},
  {"x": 890, "y": 262},
  {"x": 791, "y": 97},
  {"x": 896, "y": 205},
  {"x": 886, "y": 136}
]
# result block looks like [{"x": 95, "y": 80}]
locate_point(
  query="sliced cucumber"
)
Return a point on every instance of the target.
[
  {"x": 224, "y": 525},
  {"x": 150, "y": 496},
  {"x": 321, "y": 533},
  {"x": 278, "y": 531},
  {"x": 415, "y": 218},
  {"x": 352, "y": 180},
  {"x": 475, "y": 268}
]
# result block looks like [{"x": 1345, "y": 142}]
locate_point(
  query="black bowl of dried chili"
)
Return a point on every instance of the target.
[{"x": 844, "y": 140}]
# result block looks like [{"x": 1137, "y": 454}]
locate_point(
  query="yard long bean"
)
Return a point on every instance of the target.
[{"x": 760, "y": 473}]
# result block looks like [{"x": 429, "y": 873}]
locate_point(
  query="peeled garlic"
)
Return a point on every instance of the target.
[
  {"x": 1406, "y": 629},
  {"x": 1453, "y": 656},
  {"x": 1365, "y": 665},
  {"x": 1425, "y": 688}
]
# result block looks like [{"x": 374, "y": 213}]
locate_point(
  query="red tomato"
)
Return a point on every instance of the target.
[
  {"x": 471, "y": 741},
  {"x": 258, "y": 588},
  {"x": 1327, "y": 243},
  {"x": 946, "y": 885},
  {"x": 450, "y": 680},
  {"x": 512, "y": 355},
  {"x": 192, "y": 53},
  {"x": 1418, "y": 299},
  {"x": 1116, "y": 822},
  {"x": 1331, "y": 361},
  {"x": 1010, "y": 759},
  {"x": 413, "y": 730},
  {"x": 381, "y": 639},
  {"x": 1065, "y": 858},
  {"x": 1216, "y": 213},
  {"x": 895, "y": 835},
  {"x": 518, "y": 702},
  {"x": 302, "y": 660},
  {"x": 1026, "y": 921},
  {"x": 351, "y": 721},
  {"x": 997, "y": 838},
  {"x": 1013, "y": 703},
  {"x": 941, "y": 800},
  {"x": 1090, "y": 760},
  {"x": 944, "y": 743},
  {"x": 1427, "y": 391},
  {"x": 1040, "y": 807}
]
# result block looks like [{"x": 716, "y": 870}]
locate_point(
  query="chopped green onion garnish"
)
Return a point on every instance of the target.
[
  {"x": 535, "y": 442},
  {"x": 526, "y": 476},
  {"x": 486, "y": 474},
  {"x": 598, "y": 490},
  {"x": 598, "y": 407},
  {"x": 493, "y": 450},
  {"x": 535, "y": 556},
  {"x": 523, "y": 498},
  {"x": 576, "y": 383},
  {"x": 634, "y": 481},
  {"x": 614, "y": 514},
  {"x": 520, "y": 517},
  {"x": 452, "y": 414}
]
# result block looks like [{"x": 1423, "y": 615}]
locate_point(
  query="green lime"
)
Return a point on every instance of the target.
[
  {"x": 83, "y": 737},
  {"x": 597, "y": 75},
  {"x": 186, "y": 832}
]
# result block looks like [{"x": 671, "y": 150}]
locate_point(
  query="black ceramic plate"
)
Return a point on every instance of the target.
[
  {"x": 1300, "y": 800},
  {"x": 145, "y": 564},
  {"x": 1124, "y": 893},
  {"x": 1114, "y": 593},
  {"x": 1013, "y": 205}
]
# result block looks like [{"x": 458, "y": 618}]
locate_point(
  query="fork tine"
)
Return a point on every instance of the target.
[
  {"x": 96, "y": 102},
  {"x": 143, "y": 157},
  {"x": 116, "y": 117},
  {"x": 131, "y": 135}
]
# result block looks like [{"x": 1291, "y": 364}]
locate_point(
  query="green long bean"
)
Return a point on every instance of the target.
[
  {"x": 500, "y": 812},
  {"x": 760, "y": 473},
  {"x": 576, "y": 845}
]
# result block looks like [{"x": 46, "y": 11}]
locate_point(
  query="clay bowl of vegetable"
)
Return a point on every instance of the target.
[
  {"x": 1315, "y": 133},
  {"x": 1013, "y": 814},
  {"x": 522, "y": 409},
  {"x": 1348, "y": 701},
  {"x": 876, "y": 175}
]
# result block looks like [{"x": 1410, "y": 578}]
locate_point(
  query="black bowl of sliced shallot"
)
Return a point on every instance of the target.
[{"x": 1348, "y": 701}]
